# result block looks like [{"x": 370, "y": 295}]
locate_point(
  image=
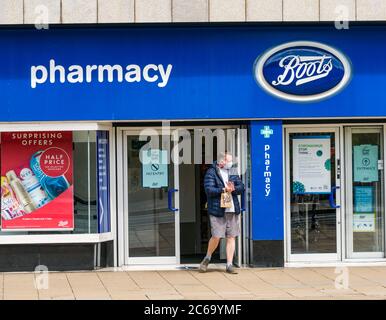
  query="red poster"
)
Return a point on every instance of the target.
[{"x": 37, "y": 181}]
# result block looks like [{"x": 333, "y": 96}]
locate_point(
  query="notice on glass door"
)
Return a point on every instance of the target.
[
  {"x": 364, "y": 222},
  {"x": 154, "y": 168},
  {"x": 363, "y": 199},
  {"x": 364, "y": 216},
  {"x": 311, "y": 164},
  {"x": 366, "y": 163}
]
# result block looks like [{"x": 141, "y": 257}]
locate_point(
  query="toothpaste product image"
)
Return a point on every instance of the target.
[{"x": 53, "y": 186}]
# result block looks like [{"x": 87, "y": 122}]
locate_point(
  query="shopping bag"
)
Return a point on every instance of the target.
[{"x": 226, "y": 200}]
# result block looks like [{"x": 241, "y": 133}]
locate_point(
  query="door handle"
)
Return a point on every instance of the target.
[
  {"x": 331, "y": 198},
  {"x": 170, "y": 196}
]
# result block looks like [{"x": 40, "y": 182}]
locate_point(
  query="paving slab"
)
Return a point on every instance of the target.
[
  {"x": 219, "y": 282},
  {"x": 56, "y": 287},
  {"x": 373, "y": 291},
  {"x": 279, "y": 279},
  {"x": 149, "y": 280},
  {"x": 179, "y": 278},
  {"x": 249, "y": 283},
  {"x": 162, "y": 296},
  {"x": 87, "y": 285},
  {"x": 306, "y": 292},
  {"x": 370, "y": 274},
  {"x": 119, "y": 284}
]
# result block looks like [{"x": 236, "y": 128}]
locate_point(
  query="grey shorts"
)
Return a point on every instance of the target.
[{"x": 226, "y": 226}]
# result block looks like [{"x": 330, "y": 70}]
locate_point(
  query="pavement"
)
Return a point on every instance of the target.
[{"x": 250, "y": 283}]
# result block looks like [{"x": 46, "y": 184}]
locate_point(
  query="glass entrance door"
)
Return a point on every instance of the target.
[
  {"x": 364, "y": 192},
  {"x": 313, "y": 194},
  {"x": 151, "y": 201}
]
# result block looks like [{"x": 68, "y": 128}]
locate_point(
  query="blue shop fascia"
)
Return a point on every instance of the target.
[{"x": 308, "y": 96}]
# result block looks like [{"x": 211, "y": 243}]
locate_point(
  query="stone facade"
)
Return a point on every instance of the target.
[{"x": 166, "y": 11}]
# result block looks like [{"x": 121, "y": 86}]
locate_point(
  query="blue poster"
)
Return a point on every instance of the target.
[
  {"x": 103, "y": 183},
  {"x": 154, "y": 168},
  {"x": 363, "y": 199}
]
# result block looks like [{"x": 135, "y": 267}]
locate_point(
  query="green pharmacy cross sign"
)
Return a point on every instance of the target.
[{"x": 266, "y": 131}]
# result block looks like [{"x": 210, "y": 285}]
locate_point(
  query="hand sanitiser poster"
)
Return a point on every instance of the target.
[{"x": 36, "y": 181}]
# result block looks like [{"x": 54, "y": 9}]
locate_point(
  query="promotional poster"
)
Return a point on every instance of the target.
[
  {"x": 311, "y": 165},
  {"x": 36, "y": 181}
]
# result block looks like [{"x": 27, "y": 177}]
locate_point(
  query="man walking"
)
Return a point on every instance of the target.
[{"x": 221, "y": 178}]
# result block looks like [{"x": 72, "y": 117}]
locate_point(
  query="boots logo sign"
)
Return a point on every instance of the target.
[{"x": 302, "y": 71}]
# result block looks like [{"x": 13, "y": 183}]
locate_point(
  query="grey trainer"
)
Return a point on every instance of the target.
[
  {"x": 204, "y": 265},
  {"x": 231, "y": 269}
]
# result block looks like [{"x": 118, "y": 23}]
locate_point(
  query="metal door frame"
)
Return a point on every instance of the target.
[
  {"x": 123, "y": 206},
  {"x": 349, "y": 254},
  {"x": 315, "y": 257},
  {"x": 122, "y": 218}
]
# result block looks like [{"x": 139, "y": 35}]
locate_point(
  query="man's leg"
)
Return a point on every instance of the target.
[
  {"x": 230, "y": 249},
  {"x": 233, "y": 230},
  {"x": 231, "y": 243},
  {"x": 218, "y": 226},
  {"x": 212, "y": 245}
]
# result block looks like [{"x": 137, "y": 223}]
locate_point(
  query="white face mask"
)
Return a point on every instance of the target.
[{"x": 228, "y": 165}]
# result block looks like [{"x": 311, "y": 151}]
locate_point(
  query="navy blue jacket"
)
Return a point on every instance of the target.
[{"x": 214, "y": 185}]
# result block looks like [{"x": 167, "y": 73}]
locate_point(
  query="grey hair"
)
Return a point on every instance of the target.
[{"x": 222, "y": 155}]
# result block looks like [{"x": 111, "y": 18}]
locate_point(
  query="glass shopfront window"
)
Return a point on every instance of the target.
[{"x": 49, "y": 182}]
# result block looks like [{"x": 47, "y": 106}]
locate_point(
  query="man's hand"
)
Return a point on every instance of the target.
[{"x": 230, "y": 187}]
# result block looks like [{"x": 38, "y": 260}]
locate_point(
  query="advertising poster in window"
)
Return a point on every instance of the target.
[
  {"x": 311, "y": 164},
  {"x": 37, "y": 181}
]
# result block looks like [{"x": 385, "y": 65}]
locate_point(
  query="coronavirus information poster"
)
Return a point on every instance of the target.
[
  {"x": 311, "y": 164},
  {"x": 36, "y": 181}
]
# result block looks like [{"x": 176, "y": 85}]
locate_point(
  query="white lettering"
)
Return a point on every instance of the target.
[
  {"x": 133, "y": 73},
  {"x": 151, "y": 73},
  {"x": 267, "y": 170},
  {"x": 34, "y": 75},
  {"x": 75, "y": 75},
  {"x": 303, "y": 69},
  {"x": 110, "y": 73},
  {"x": 53, "y": 69},
  {"x": 89, "y": 70},
  {"x": 165, "y": 75},
  {"x": 146, "y": 72}
]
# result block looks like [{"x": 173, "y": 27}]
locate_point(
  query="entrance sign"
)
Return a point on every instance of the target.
[
  {"x": 311, "y": 164},
  {"x": 366, "y": 163},
  {"x": 154, "y": 168}
]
